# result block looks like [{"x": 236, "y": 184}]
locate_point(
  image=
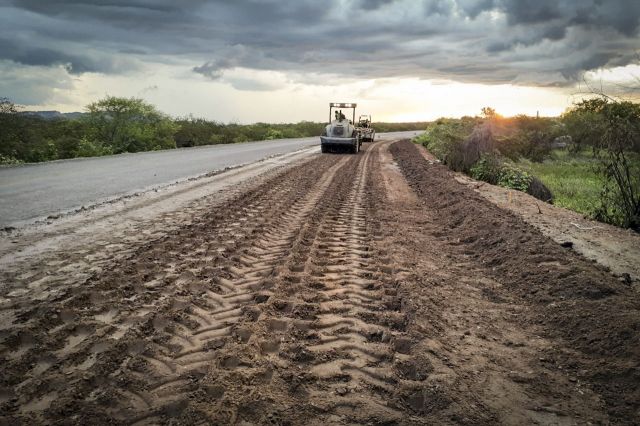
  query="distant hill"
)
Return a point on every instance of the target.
[{"x": 54, "y": 115}]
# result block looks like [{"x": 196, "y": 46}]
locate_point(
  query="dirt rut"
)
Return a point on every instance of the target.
[
  {"x": 341, "y": 291},
  {"x": 141, "y": 341}
]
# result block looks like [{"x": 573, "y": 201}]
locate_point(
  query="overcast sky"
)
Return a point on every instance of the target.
[{"x": 283, "y": 61}]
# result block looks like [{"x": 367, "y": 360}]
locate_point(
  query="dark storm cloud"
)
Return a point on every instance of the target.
[
  {"x": 213, "y": 69},
  {"x": 491, "y": 41},
  {"x": 374, "y": 4},
  {"x": 473, "y": 8},
  {"x": 439, "y": 7},
  {"x": 44, "y": 56},
  {"x": 620, "y": 15},
  {"x": 142, "y": 12}
]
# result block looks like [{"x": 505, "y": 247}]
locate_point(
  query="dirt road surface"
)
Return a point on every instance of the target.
[{"x": 329, "y": 289}]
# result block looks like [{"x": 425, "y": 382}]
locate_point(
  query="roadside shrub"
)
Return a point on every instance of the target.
[
  {"x": 478, "y": 143},
  {"x": 461, "y": 143},
  {"x": 215, "y": 140},
  {"x": 493, "y": 170},
  {"x": 512, "y": 177},
  {"x": 612, "y": 129},
  {"x": 240, "y": 139},
  {"x": 527, "y": 137},
  {"x": 67, "y": 147},
  {"x": 445, "y": 138},
  {"x": 8, "y": 160},
  {"x": 40, "y": 150},
  {"x": 480, "y": 146},
  {"x": 273, "y": 134},
  {"x": 87, "y": 148},
  {"x": 395, "y": 127},
  {"x": 487, "y": 169}
]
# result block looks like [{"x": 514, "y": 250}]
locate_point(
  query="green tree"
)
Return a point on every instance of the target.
[
  {"x": 273, "y": 134},
  {"x": 7, "y": 107},
  {"x": 446, "y": 138},
  {"x": 585, "y": 123},
  {"x": 612, "y": 129},
  {"x": 129, "y": 125},
  {"x": 528, "y": 137},
  {"x": 10, "y": 133},
  {"x": 488, "y": 112}
]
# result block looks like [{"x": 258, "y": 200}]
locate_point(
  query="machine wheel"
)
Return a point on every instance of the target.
[{"x": 323, "y": 149}]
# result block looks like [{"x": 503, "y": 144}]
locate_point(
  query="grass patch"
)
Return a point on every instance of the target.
[{"x": 571, "y": 177}]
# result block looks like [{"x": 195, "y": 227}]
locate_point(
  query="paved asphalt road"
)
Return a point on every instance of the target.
[{"x": 34, "y": 191}]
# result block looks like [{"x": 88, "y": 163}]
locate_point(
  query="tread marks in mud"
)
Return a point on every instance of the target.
[
  {"x": 351, "y": 352},
  {"x": 324, "y": 342},
  {"x": 281, "y": 293},
  {"x": 109, "y": 331},
  {"x": 208, "y": 316}
]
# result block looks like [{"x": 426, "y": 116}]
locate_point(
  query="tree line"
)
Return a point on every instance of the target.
[
  {"x": 487, "y": 147},
  {"x": 115, "y": 125}
]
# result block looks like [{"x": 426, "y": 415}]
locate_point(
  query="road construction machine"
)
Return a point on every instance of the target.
[
  {"x": 341, "y": 134},
  {"x": 367, "y": 132}
]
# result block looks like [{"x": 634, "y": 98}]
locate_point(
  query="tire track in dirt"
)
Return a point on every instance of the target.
[
  {"x": 332, "y": 325},
  {"x": 352, "y": 348},
  {"x": 322, "y": 344},
  {"x": 103, "y": 323},
  {"x": 210, "y": 318},
  {"x": 334, "y": 293}
]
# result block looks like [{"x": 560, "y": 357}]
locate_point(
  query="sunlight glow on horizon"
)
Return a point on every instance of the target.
[{"x": 288, "y": 99}]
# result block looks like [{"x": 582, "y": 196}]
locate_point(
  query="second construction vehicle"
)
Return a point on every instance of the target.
[
  {"x": 367, "y": 132},
  {"x": 341, "y": 134}
]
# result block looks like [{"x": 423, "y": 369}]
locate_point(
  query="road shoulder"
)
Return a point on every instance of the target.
[{"x": 615, "y": 248}]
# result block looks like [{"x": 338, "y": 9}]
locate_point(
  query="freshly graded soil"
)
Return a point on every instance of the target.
[
  {"x": 348, "y": 289},
  {"x": 592, "y": 318}
]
